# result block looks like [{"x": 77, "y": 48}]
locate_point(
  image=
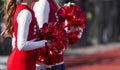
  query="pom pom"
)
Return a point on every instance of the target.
[
  {"x": 73, "y": 18},
  {"x": 54, "y": 32}
]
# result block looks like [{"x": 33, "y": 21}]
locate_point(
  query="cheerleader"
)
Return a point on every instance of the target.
[
  {"x": 21, "y": 25},
  {"x": 45, "y": 12}
]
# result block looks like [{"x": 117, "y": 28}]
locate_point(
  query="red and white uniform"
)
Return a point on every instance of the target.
[
  {"x": 24, "y": 36},
  {"x": 45, "y": 12}
]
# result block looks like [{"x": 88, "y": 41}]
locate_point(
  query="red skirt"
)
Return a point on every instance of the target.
[{"x": 21, "y": 60}]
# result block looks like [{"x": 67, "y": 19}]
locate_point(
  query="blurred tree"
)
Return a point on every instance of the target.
[
  {"x": 81, "y": 3},
  {"x": 88, "y": 7},
  {"x": 106, "y": 15},
  {"x": 118, "y": 21},
  {"x": 1, "y": 10},
  {"x": 5, "y": 43}
]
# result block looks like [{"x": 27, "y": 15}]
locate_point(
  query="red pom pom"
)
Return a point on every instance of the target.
[
  {"x": 72, "y": 15},
  {"x": 72, "y": 37},
  {"x": 57, "y": 35}
]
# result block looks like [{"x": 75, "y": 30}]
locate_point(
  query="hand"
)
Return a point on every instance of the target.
[
  {"x": 44, "y": 65},
  {"x": 62, "y": 51},
  {"x": 73, "y": 29},
  {"x": 80, "y": 34},
  {"x": 78, "y": 28},
  {"x": 69, "y": 3},
  {"x": 48, "y": 43}
]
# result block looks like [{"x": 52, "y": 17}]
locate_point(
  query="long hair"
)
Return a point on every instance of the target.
[
  {"x": 9, "y": 10},
  {"x": 57, "y": 3}
]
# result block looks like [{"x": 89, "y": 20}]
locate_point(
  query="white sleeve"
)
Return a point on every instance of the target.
[
  {"x": 42, "y": 10},
  {"x": 24, "y": 19}
]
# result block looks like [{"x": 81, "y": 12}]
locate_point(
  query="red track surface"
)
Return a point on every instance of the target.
[{"x": 109, "y": 60}]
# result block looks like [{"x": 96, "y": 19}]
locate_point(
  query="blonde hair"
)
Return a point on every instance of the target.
[{"x": 10, "y": 6}]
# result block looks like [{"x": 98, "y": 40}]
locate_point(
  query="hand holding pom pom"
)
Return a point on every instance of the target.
[
  {"x": 56, "y": 36},
  {"x": 70, "y": 26}
]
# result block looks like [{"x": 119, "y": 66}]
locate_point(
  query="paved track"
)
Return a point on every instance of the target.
[{"x": 107, "y": 60}]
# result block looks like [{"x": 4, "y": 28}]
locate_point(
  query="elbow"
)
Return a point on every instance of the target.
[
  {"x": 20, "y": 46},
  {"x": 20, "y": 49}
]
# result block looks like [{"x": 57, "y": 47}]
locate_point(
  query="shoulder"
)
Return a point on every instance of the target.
[
  {"x": 42, "y": 2},
  {"x": 21, "y": 10},
  {"x": 24, "y": 14},
  {"x": 20, "y": 6}
]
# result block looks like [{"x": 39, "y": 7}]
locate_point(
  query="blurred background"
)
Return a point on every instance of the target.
[{"x": 99, "y": 47}]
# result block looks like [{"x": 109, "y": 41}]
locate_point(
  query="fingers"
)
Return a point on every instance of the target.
[
  {"x": 80, "y": 35},
  {"x": 67, "y": 30},
  {"x": 48, "y": 43},
  {"x": 69, "y": 3},
  {"x": 79, "y": 28},
  {"x": 62, "y": 51},
  {"x": 65, "y": 4}
]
